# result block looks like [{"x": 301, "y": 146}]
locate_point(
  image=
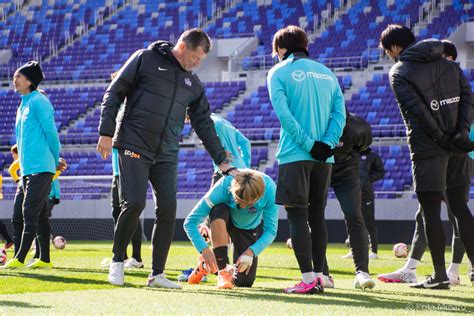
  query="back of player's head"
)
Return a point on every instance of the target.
[
  {"x": 14, "y": 149},
  {"x": 396, "y": 35},
  {"x": 291, "y": 38},
  {"x": 449, "y": 49},
  {"x": 248, "y": 185},
  {"x": 195, "y": 38}
]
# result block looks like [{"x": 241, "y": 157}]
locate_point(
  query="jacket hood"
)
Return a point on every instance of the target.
[
  {"x": 423, "y": 51},
  {"x": 164, "y": 49}
]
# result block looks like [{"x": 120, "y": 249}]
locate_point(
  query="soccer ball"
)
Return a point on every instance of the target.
[
  {"x": 59, "y": 242},
  {"x": 3, "y": 257},
  {"x": 289, "y": 244},
  {"x": 400, "y": 250}
]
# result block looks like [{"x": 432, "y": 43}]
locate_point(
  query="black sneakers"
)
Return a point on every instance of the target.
[{"x": 432, "y": 283}]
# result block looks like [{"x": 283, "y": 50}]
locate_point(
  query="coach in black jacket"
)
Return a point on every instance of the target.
[
  {"x": 159, "y": 89},
  {"x": 435, "y": 100},
  {"x": 356, "y": 137},
  {"x": 371, "y": 169}
]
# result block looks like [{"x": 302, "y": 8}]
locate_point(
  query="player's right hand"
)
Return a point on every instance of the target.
[
  {"x": 210, "y": 260},
  {"x": 104, "y": 146}
]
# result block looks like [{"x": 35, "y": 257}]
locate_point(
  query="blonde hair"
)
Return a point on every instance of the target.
[{"x": 248, "y": 185}]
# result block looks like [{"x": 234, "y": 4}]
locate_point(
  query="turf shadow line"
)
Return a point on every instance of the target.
[
  {"x": 21, "y": 304},
  {"x": 55, "y": 278}
]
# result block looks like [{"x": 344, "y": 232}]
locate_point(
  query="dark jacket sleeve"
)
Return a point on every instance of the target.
[
  {"x": 377, "y": 171},
  {"x": 465, "y": 105},
  {"x": 365, "y": 137},
  {"x": 116, "y": 93},
  {"x": 411, "y": 103},
  {"x": 199, "y": 114}
]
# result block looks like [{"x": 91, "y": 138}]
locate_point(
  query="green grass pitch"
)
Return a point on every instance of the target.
[{"x": 78, "y": 285}]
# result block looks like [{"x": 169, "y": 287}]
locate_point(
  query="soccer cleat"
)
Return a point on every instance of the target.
[
  {"x": 39, "y": 264},
  {"x": 431, "y": 283},
  {"x": 304, "y": 288},
  {"x": 348, "y": 256},
  {"x": 454, "y": 279},
  {"x": 116, "y": 274},
  {"x": 328, "y": 281},
  {"x": 199, "y": 273},
  {"x": 133, "y": 263},
  {"x": 160, "y": 281},
  {"x": 13, "y": 264},
  {"x": 373, "y": 256},
  {"x": 225, "y": 277},
  {"x": 8, "y": 245},
  {"x": 399, "y": 276},
  {"x": 363, "y": 281}
]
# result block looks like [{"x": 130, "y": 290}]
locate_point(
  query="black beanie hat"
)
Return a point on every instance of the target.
[{"x": 32, "y": 71}]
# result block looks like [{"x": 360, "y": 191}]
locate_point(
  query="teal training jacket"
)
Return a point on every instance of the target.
[
  {"x": 233, "y": 141},
  {"x": 36, "y": 135},
  {"x": 309, "y": 103},
  {"x": 264, "y": 210}
]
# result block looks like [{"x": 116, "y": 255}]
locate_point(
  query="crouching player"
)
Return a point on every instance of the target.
[{"x": 243, "y": 208}]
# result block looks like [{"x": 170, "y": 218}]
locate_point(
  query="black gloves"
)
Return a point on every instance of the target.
[
  {"x": 460, "y": 143},
  {"x": 463, "y": 142},
  {"x": 442, "y": 140},
  {"x": 321, "y": 151}
]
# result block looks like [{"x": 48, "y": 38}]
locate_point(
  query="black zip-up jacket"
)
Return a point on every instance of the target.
[
  {"x": 158, "y": 92},
  {"x": 356, "y": 137},
  {"x": 371, "y": 169},
  {"x": 434, "y": 97}
]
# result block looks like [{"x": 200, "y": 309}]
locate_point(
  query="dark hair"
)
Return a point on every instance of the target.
[
  {"x": 449, "y": 49},
  {"x": 291, "y": 38},
  {"x": 398, "y": 35},
  {"x": 14, "y": 149},
  {"x": 195, "y": 38}
]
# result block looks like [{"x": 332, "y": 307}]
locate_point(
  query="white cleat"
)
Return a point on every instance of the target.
[
  {"x": 399, "y": 276},
  {"x": 160, "y": 281},
  {"x": 328, "y": 281},
  {"x": 133, "y": 263},
  {"x": 454, "y": 279},
  {"x": 348, "y": 256},
  {"x": 116, "y": 274},
  {"x": 363, "y": 281},
  {"x": 373, "y": 256}
]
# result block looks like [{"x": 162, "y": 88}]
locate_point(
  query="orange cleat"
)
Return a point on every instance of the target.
[
  {"x": 196, "y": 276},
  {"x": 225, "y": 278}
]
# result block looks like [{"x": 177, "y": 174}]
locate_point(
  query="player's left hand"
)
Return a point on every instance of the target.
[
  {"x": 245, "y": 261},
  {"x": 62, "y": 164}
]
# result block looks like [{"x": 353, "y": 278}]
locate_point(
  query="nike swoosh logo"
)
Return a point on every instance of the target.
[
  {"x": 426, "y": 285},
  {"x": 162, "y": 69}
]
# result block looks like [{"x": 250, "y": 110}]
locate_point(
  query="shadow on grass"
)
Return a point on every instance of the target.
[
  {"x": 357, "y": 298},
  {"x": 21, "y": 304},
  {"x": 62, "y": 279},
  {"x": 332, "y": 271}
]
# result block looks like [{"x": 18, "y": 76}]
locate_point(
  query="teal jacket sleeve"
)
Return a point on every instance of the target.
[
  {"x": 270, "y": 221},
  {"x": 337, "y": 120},
  {"x": 217, "y": 195},
  {"x": 45, "y": 113},
  {"x": 244, "y": 145},
  {"x": 282, "y": 110}
]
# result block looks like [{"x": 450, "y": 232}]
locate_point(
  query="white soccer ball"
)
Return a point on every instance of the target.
[
  {"x": 289, "y": 244},
  {"x": 3, "y": 257},
  {"x": 400, "y": 250},
  {"x": 59, "y": 242}
]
